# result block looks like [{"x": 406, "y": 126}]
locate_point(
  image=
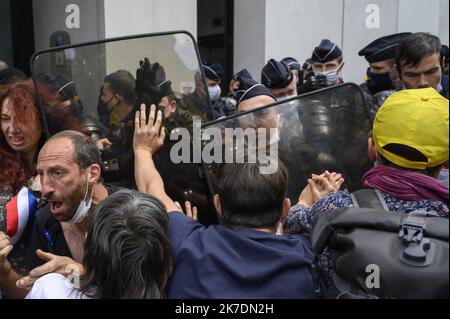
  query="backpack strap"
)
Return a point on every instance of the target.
[
  {"x": 341, "y": 289},
  {"x": 369, "y": 198}
]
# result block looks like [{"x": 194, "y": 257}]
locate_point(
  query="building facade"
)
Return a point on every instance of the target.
[{"x": 237, "y": 33}]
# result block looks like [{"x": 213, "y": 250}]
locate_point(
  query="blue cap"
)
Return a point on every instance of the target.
[
  {"x": 249, "y": 88},
  {"x": 213, "y": 71},
  {"x": 276, "y": 75},
  {"x": 292, "y": 63},
  {"x": 307, "y": 65},
  {"x": 326, "y": 51},
  {"x": 61, "y": 85},
  {"x": 383, "y": 48},
  {"x": 242, "y": 73}
]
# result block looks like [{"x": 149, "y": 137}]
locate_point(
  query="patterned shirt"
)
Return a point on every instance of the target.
[{"x": 301, "y": 219}]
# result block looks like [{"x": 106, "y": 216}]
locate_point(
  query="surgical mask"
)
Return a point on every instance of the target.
[
  {"x": 377, "y": 82},
  {"x": 83, "y": 208},
  {"x": 331, "y": 75},
  {"x": 214, "y": 93}
]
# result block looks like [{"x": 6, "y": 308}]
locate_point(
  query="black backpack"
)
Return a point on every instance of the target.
[{"x": 383, "y": 254}]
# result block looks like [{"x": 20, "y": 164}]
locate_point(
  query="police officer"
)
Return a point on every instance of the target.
[
  {"x": 293, "y": 65},
  {"x": 381, "y": 76},
  {"x": 213, "y": 73},
  {"x": 296, "y": 68},
  {"x": 279, "y": 79},
  {"x": 307, "y": 68},
  {"x": 236, "y": 80},
  {"x": 251, "y": 94},
  {"x": 228, "y": 104},
  {"x": 327, "y": 64}
]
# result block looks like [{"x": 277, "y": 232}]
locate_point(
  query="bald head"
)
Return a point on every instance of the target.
[{"x": 255, "y": 102}]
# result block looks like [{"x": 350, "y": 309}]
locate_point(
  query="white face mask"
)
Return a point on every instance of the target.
[
  {"x": 83, "y": 208},
  {"x": 214, "y": 93},
  {"x": 331, "y": 75}
]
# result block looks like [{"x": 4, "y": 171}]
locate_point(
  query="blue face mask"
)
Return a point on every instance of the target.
[{"x": 377, "y": 82}]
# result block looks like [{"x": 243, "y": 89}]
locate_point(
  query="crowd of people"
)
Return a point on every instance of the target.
[{"x": 138, "y": 241}]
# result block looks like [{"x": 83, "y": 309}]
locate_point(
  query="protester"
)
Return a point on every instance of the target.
[
  {"x": 214, "y": 261},
  {"x": 410, "y": 144},
  {"x": 127, "y": 253}
]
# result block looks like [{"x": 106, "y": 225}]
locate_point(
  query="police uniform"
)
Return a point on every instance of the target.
[
  {"x": 325, "y": 52},
  {"x": 276, "y": 75},
  {"x": 379, "y": 86},
  {"x": 215, "y": 72},
  {"x": 293, "y": 64},
  {"x": 229, "y": 103},
  {"x": 242, "y": 73}
]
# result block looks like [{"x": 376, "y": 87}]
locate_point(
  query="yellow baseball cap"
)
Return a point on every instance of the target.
[{"x": 415, "y": 118}]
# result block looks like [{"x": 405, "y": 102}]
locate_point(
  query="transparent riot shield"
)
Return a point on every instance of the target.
[
  {"x": 322, "y": 130},
  {"x": 101, "y": 84}
]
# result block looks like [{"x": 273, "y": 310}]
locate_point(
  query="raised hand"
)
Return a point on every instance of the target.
[
  {"x": 148, "y": 136},
  {"x": 149, "y": 80}
]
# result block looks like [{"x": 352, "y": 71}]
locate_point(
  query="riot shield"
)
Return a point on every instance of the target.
[
  {"x": 323, "y": 130},
  {"x": 93, "y": 81}
]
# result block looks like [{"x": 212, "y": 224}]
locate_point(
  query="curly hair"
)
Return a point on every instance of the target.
[{"x": 22, "y": 96}]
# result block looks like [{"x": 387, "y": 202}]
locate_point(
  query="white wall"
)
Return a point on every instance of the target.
[
  {"x": 295, "y": 27},
  {"x": 249, "y": 36},
  {"x": 359, "y": 30},
  {"x": 128, "y": 17},
  {"x": 419, "y": 16},
  {"x": 50, "y": 16},
  {"x": 264, "y": 29},
  {"x": 112, "y": 18},
  {"x": 444, "y": 21}
]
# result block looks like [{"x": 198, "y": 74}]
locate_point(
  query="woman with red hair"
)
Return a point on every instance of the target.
[{"x": 21, "y": 137}]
